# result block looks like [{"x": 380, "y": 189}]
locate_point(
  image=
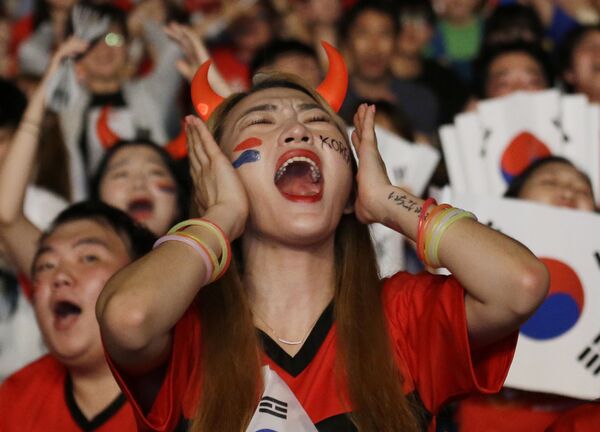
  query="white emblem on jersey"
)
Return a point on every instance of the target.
[{"x": 278, "y": 409}]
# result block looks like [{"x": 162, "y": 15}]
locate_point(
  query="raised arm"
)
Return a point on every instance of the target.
[
  {"x": 141, "y": 304},
  {"x": 504, "y": 282},
  {"x": 18, "y": 233}
]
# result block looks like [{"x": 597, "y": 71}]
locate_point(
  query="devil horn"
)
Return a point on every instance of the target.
[
  {"x": 177, "y": 147},
  {"x": 205, "y": 99},
  {"x": 334, "y": 86}
]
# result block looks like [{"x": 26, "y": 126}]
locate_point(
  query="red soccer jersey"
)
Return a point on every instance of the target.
[
  {"x": 39, "y": 397},
  {"x": 426, "y": 318}
]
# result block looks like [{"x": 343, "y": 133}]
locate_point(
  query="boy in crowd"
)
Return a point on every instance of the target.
[{"x": 72, "y": 388}]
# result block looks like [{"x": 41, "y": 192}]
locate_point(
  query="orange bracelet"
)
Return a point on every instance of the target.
[{"x": 428, "y": 219}]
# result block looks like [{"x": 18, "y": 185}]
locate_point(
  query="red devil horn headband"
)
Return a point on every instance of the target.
[{"x": 332, "y": 89}]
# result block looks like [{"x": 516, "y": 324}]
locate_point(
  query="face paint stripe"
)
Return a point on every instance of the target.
[
  {"x": 248, "y": 144},
  {"x": 246, "y": 157}
]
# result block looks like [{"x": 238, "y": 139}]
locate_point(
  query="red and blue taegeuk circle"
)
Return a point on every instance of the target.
[
  {"x": 523, "y": 149},
  {"x": 562, "y": 307}
]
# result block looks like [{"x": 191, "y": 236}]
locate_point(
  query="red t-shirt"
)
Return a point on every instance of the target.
[
  {"x": 426, "y": 318},
  {"x": 584, "y": 418},
  {"x": 39, "y": 397}
]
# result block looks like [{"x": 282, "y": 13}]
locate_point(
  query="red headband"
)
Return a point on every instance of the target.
[{"x": 332, "y": 89}]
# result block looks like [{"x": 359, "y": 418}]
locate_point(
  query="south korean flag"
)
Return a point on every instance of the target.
[
  {"x": 278, "y": 409},
  {"x": 559, "y": 346}
]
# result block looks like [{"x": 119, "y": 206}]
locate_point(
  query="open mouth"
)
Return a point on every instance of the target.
[
  {"x": 298, "y": 176},
  {"x": 65, "y": 314},
  {"x": 140, "y": 209}
]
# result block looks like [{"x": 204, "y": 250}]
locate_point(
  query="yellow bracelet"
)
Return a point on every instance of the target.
[
  {"x": 431, "y": 230},
  {"x": 223, "y": 241},
  {"x": 208, "y": 250},
  {"x": 436, "y": 241}
]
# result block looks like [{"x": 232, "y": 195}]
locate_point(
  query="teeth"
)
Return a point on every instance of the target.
[{"x": 314, "y": 169}]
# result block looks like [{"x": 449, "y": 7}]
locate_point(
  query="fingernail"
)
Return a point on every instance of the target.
[{"x": 373, "y": 108}]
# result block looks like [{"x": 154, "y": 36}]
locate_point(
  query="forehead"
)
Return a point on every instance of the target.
[
  {"x": 279, "y": 97},
  {"x": 558, "y": 168},
  {"x": 514, "y": 60},
  {"x": 135, "y": 154},
  {"x": 592, "y": 36},
  {"x": 69, "y": 233},
  {"x": 373, "y": 18}
]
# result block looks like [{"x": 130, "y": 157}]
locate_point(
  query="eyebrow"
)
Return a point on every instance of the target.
[
  {"x": 81, "y": 242},
  {"x": 91, "y": 241},
  {"x": 263, "y": 107}
]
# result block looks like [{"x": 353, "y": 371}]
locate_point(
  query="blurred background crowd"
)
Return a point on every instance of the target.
[{"x": 115, "y": 135}]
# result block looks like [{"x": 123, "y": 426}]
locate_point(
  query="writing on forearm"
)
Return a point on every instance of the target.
[{"x": 405, "y": 202}]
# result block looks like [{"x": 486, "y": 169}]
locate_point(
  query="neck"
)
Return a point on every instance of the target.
[
  {"x": 461, "y": 21},
  {"x": 288, "y": 287},
  {"x": 407, "y": 66},
  {"x": 93, "y": 389},
  {"x": 104, "y": 86}
]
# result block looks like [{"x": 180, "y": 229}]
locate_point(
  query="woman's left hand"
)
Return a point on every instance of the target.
[{"x": 372, "y": 177}]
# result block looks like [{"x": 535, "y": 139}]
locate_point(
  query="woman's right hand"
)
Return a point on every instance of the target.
[
  {"x": 218, "y": 190},
  {"x": 69, "y": 48}
]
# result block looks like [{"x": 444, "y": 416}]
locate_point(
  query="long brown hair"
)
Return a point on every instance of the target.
[{"x": 230, "y": 347}]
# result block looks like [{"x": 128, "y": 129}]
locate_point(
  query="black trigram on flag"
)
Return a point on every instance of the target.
[
  {"x": 277, "y": 408},
  {"x": 590, "y": 356}
]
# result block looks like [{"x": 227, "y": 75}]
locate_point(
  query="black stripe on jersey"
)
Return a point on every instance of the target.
[
  {"x": 296, "y": 364},
  {"x": 80, "y": 419}
]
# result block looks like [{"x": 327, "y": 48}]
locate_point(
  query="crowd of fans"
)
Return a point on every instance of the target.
[{"x": 420, "y": 62}]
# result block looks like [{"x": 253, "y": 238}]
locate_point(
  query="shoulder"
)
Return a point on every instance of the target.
[{"x": 33, "y": 381}]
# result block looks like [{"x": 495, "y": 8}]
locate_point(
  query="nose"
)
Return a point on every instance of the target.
[
  {"x": 62, "y": 278},
  {"x": 296, "y": 132},
  {"x": 138, "y": 181}
]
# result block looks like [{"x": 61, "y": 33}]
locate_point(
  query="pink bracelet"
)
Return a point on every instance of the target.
[{"x": 199, "y": 250}]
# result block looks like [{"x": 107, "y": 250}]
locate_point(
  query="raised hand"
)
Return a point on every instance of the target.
[
  {"x": 218, "y": 190},
  {"x": 194, "y": 54},
  {"x": 372, "y": 178},
  {"x": 69, "y": 48}
]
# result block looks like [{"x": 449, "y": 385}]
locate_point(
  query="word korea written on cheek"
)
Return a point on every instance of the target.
[{"x": 337, "y": 146}]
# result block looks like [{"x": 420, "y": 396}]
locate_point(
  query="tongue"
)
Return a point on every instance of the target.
[
  {"x": 297, "y": 181},
  {"x": 140, "y": 210}
]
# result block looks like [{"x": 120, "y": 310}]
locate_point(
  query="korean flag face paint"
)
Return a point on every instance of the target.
[{"x": 248, "y": 153}]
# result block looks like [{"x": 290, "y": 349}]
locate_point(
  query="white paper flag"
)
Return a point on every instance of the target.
[{"x": 559, "y": 347}]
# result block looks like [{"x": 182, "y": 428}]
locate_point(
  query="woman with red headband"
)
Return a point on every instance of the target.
[{"x": 295, "y": 331}]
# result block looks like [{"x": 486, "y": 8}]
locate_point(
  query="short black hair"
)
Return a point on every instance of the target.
[
  {"x": 505, "y": 19},
  {"x": 12, "y": 104},
  {"x": 271, "y": 52},
  {"x": 137, "y": 238},
  {"x": 178, "y": 171},
  {"x": 517, "y": 183},
  {"x": 568, "y": 47},
  {"x": 383, "y": 7},
  {"x": 417, "y": 7},
  {"x": 490, "y": 54}
]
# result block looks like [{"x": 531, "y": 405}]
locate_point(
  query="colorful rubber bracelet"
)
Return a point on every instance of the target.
[
  {"x": 426, "y": 224},
  {"x": 207, "y": 249},
  {"x": 423, "y": 215},
  {"x": 435, "y": 245},
  {"x": 194, "y": 245},
  {"x": 433, "y": 228},
  {"x": 223, "y": 240},
  {"x": 434, "y": 233}
]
